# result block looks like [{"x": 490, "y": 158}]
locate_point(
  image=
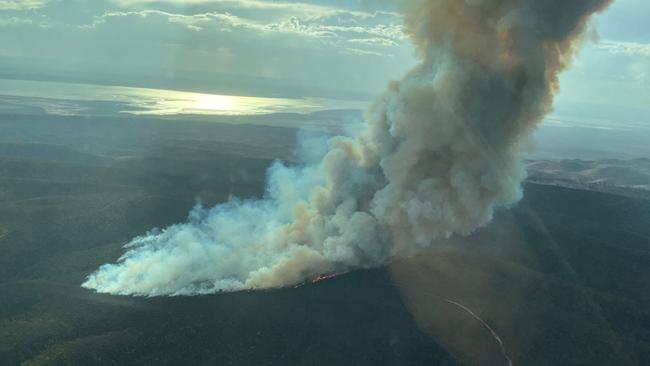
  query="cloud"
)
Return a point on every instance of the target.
[
  {"x": 358, "y": 52},
  {"x": 286, "y": 7},
  {"x": 12, "y": 21},
  {"x": 21, "y": 4},
  {"x": 357, "y": 27},
  {"x": 374, "y": 41},
  {"x": 304, "y": 45},
  {"x": 627, "y": 48}
]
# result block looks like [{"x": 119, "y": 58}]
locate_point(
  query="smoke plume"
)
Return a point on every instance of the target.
[{"x": 440, "y": 151}]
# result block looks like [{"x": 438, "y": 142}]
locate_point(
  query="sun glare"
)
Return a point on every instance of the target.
[{"x": 214, "y": 102}]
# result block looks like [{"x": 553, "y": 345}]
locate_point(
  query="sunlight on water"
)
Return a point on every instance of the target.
[
  {"x": 166, "y": 102},
  {"x": 215, "y": 103},
  {"x": 60, "y": 98}
]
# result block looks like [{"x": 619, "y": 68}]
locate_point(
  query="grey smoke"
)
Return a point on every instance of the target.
[{"x": 440, "y": 150}]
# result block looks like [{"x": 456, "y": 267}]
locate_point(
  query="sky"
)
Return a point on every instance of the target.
[{"x": 346, "y": 49}]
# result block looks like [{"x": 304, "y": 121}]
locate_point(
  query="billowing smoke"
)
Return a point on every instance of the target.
[{"x": 440, "y": 150}]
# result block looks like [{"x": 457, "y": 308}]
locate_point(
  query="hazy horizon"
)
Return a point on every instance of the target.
[
  {"x": 347, "y": 50},
  {"x": 565, "y": 134}
]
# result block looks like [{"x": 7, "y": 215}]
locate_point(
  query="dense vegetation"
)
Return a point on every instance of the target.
[{"x": 73, "y": 190}]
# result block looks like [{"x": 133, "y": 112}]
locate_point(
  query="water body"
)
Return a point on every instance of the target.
[
  {"x": 574, "y": 131},
  {"x": 87, "y": 99}
]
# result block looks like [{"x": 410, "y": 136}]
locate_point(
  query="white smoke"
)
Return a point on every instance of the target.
[{"x": 440, "y": 150}]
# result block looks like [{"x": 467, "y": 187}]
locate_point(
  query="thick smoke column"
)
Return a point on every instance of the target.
[{"x": 440, "y": 151}]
